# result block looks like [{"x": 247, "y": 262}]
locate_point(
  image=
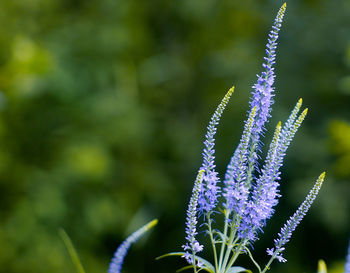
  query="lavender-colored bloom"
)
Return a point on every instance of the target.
[
  {"x": 263, "y": 89},
  {"x": 118, "y": 259},
  {"x": 265, "y": 192},
  {"x": 290, "y": 122},
  {"x": 288, "y": 228},
  {"x": 209, "y": 190},
  {"x": 347, "y": 263},
  {"x": 243, "y": 162},
  {"x": 193, "y": 246},
  {"x": 235, "y": 190},
  {"x": 263, "y": 94}
]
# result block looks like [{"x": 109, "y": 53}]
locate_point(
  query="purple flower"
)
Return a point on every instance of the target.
[
  {"x": 281, "y": 259},
  {"x": 209, "y": 190},
  {"x": 288, "y": 228},
  {"x": 192, "y": 246},
  {"x": 271, "y": 252},
  {"x": 118, "y": 259},
  {"x": 239, "y": 174},
  {"x": 263, "y": 89},
  {"x": 235, "y": 190},
  {"x": 265, "y": 191}
]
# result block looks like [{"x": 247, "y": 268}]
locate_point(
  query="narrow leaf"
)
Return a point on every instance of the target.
[
  {"x": 191, "y": 266},
  {"x": 71, "y": 250},
  {"x": 237, "y": 269},
  {"x": 207, "y": 265},
  {"x": 184, "y": 268}
]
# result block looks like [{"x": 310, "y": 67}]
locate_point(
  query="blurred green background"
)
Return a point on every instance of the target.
[{"x": 103, "y": 110}]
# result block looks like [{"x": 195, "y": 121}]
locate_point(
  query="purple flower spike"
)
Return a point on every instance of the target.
[
  {"x": 243, "y": 163},
  {"x": 192, "y": 246},
  {"x": 288, "y": 228},
  {"x": 209, "y": 190},
  {"x": 235, "y": 191},
  {"x": 265, "y": 191},
  {"x": 263, "y": 89},
  {"x": 118, "y": 259},
  {"x": 263, "y": 93}
]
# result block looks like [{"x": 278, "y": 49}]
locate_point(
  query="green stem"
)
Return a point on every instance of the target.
[
  {"x": 251, "y": 257},
  {"x": 212, "y": 242},
  {"x": 235, "y": 256},
  {"x": 229, "y": 248},
  {"x": 231, "y": 242},
  {"x": 194, "y": 264},
  {"x": 267, "y": 266},
  {"x": 227, "y": 213}
]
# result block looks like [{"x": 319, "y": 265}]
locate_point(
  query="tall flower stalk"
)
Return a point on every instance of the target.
[
  {"x": 209, "y": 190},
  {"x": 288, "y": 228},
  {"x": 250, "y": 188},
  {"x": 192, "y": 247},
  {"x": 119, "y": 256},
  {"x": 240, "y": 170}
]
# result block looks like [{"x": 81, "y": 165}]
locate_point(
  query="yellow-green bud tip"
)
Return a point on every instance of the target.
[
  {"x": 152, "y": 223},
  {"x": 283, "y": 8},
  {"x": 300, "y": 101},
  {"x": 201, "y": 171},
  {"x": 279, "y": 124},
  {"x": 254, "y": 111},
  {"x": 231, "y": 90},
  {"x": 321, "y": 177},
  {"x": 305, "y": 111},
  {"x": 281, "y": 13}
]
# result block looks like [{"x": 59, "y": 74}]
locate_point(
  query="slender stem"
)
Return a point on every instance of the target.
[
  {"x": 251, "y": 257},
  {"x": 233, "y": 259},
  {"x": 237, "y": 253},
  {"x": 229, "y": 248},
  {"x": 194, "y": 264},
  {"x": 231, "y": 242},
  {"x": 227, "y": 213},
  {"x": 212, "y": 242},
  {"x": 267, "y": 266}
]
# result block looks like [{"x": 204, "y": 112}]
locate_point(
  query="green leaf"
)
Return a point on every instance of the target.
[
  {"x": 71, "y": 250},
  {"x": 237, "y": 269},
  {"x": 207, "y": 265},
  {"x": 184, "y": 268},
  {"x": 191, "y": 266}
]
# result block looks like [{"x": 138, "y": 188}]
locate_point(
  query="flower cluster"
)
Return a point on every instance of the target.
[
  {"x": 118, "y": 259},
  {"x": 241, "y": 168},
  {"x": 209, "y": 189},
  {"x": 294, "y": 220},
  {"x": 250, "y": 189},
  {"x": 193, "y": 247},
  {"x": 265, "y": 191}
]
